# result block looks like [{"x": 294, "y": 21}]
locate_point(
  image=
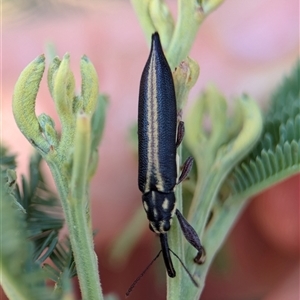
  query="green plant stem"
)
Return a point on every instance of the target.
[
  {"x": 141, "y": 8},
  {"x": 81, "y": 241},
  {"x": 190, "y": 16},
  {"x": 208, "y": 186},
  {"x": 74, "y": 202},
  {"x": 227, "y": 157},
  {"x": 206, "y": 193},
  {"x": 185, "y": 289},
  {"x": 176, "y": 242},
  {"x": 81, "y": 157},
  {"x": 85, "y": 257},
  {"x": 225, "y": 217}
]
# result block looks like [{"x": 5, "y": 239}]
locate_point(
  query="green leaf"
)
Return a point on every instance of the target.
[
  {"x": 21, "y": 277},
  {"x": 277, "y": 155}
]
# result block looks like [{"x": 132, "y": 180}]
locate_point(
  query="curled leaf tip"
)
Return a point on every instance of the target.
[
  {"x": 185, "y": 77},
  {"x": 52, "y": 71},
  {"x": 40, "y": 58},
  {"x": 64, "y": 90},
  {"x": 67, "y": 55},
  {"x": 23, "y": 104},
  {"x": 85, "y": 58}
]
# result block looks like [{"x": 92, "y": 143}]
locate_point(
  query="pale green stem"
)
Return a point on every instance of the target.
[
  {"x": 205, "y": 194},
  {"x": 208, "y": 189},
  {"x": 213, "y": 239},
  {"x": 74, "y": 205},
  {"x": 190, "y": 17},
  {"x": 176, "y": 242},
  {"x": 141, "y": 8}
]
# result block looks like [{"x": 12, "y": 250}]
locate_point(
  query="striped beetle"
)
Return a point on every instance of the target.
[{"x": 158, "y": 137}]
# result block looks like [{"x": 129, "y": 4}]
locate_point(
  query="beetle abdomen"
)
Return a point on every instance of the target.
[{"x": 157, "y": 121}]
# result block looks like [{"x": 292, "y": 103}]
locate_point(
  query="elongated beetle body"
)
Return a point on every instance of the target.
[{"x": 159, "y": 136}]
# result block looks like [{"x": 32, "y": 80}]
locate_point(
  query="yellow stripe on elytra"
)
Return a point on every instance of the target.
[{"x": 152, "y": 129}]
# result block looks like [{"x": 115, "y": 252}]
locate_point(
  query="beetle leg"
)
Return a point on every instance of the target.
[
  {"x": 180, "y": 133},
  {"x": 192, "y": 237},
  {"x": 186, "y": 168}
]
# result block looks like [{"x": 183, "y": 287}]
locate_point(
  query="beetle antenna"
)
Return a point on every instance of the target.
[
  {"x": 187, "y": 271},
  {"x": 141, "y": 275}
]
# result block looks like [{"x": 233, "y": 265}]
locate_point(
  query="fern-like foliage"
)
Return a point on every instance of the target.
[
  {"x": 277, "y": 154},
  {"x": 31, "y": 218},
  {"x": 64, "y": 266},
  {"x": 43, "y": 215},
  {"x": 21, "y": 276}
]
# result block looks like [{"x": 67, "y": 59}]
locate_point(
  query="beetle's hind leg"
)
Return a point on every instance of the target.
[{"x": 192, "y": 237}]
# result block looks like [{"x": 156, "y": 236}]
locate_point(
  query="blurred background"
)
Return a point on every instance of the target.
[{"x": 244, "y": 46}]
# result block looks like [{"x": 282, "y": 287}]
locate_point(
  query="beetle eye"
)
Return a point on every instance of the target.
[{"x": 167, "y": 226}]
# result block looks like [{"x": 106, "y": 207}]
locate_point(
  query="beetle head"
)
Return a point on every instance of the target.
[{"x": 160, "y": 208}]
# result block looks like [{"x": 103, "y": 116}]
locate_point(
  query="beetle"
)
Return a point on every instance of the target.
[{"x": 159, "y": 135}]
